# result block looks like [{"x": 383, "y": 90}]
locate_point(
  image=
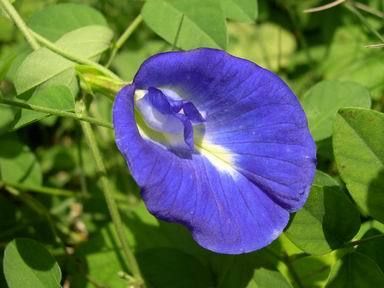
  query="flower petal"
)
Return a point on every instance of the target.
[
  {"x": 249, "y": 113},
  {"x": 254, "y": 158},
  {"x": 225, "y": 211}
]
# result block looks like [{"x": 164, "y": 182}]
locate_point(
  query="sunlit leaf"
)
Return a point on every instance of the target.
[
  {"x": 268, "y": 45},
  {"x": 43, "y": 64},
  {"x": 241, "y": 10},
  {"x": 57, "y": 97},
  {"x": 359, "y": 152},
  {"x": 56, "y": 20},
  {"x": 323, "y": 100},
  {"x": 203, "y": 22}
]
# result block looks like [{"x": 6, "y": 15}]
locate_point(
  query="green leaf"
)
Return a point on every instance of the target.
[
  {"x": 7, "y": 117},
  {"x": 313, "y": 271},
  {"x": 359, "y": 152},
  {"x": 43, "y": 64},
  {"x": 128, "y": 62},
  {"x": 203, "y": 22},
  {"x": 168, "y": 267},
  {"x": 56, "y": 20},
  {"x": 327, "y": 220},
  {"x": 17, "y": 163},
  {"x": 347, "y": 59},
  {"x": 161, "y": 264},
  {"x": 373, "y": 248},
  {"x": 240, "y": 10},
  {"x": 263, "y": 278},
  {"x": 57, "y": 97},
  {"x": 268, "y": 44},
  {"x": 355, "y": 270},
  {"x": 27, "y": 264},
  {"x": 323, "y": 100},
  {"x": 248, "y": 270}
]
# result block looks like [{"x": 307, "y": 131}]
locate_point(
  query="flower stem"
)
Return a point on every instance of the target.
[
  {"x": 39, "y": 189},
  {"x": 292, "y": 271},
  {"x": 365, "y": 240},
  {"x": 51, "y": 46},
  {"x": 111, "y": 204},
  {"x": 56, "y": 112},
  {"x": 8, "y": 7},
  {"x": 124, "y": 37}
]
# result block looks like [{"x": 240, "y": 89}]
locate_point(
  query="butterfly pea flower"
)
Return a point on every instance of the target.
[{"x": 217, "y": 144}]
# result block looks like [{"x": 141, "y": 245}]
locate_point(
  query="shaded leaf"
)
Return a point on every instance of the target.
[
  {"x": 168, "y": 267},
  {"x": 27, "y": 264},
  {"x": 359, "y": 152},
  {"x": 355, "y": 270},
  {"x": 17, "y": 163},
  {"x": 313, "y": 271},
  {"x": 327, "y": 220},
  {"x": 374, "y": 247}
]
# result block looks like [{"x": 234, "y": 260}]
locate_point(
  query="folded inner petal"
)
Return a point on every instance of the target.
[{"x": 167, "y": 121}]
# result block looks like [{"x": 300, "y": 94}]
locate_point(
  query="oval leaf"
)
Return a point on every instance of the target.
[
  {"x": 202, "y": 22},
  {"x": 27, "y": 264},
  {"x": 57, "y": 97},
  {"x": 56, "y": 20},
  {"x": 240, "y": 10},
  {"x": 359, "y": 152},
  {"x": 327, "y": 220},
  {"x": 43, "y": 64},
  {"x": 17, "y": 163},
  {"x": 261, "y": 44},
  {"x": 323, "y": 100}
]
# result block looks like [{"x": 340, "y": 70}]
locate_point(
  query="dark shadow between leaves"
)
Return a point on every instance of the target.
[
  {"x": 34, "y": 254},
  {"x": 375, "y": 197}
]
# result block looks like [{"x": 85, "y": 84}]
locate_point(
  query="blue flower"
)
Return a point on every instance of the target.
[{"x": 217, "y": 144}]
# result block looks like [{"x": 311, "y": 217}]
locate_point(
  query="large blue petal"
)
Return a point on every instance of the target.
[
  {"x": 248, "y": 110},
  {"x": 255, "y": 160},
  {"x": 224, "y": 211}
]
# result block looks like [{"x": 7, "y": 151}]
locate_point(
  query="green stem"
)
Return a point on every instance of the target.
[
  {"x": 51, "y": 46},
  {"x": 178, "y": 32},
  {"x": 124, "y": 37},
  {"x": 368, "y": 9},
  {"x": 56, "y": 112},
  {"x": 8, "y": 7},
  {"x": 292, "y": 271},
  {"x": 287, "y": 262},
  {"x": 37, "y": 189},
  {"x": 112, "y": 206},
  {"x": 364, "y": 240}
]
